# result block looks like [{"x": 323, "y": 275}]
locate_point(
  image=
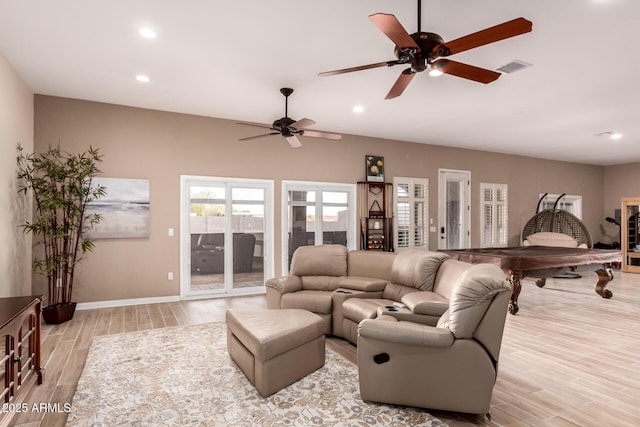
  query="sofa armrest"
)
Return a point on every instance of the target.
[
  {"x": 426, "y": 302},
  {"x": 285, "y": 284},
  {"x": 406, "y": 315},
  {"x": 358, "y": 283},
  {"x": 278, "y": 286},
  {"x": 339, "y": 296},
  {"x": 406, "y": 333}
]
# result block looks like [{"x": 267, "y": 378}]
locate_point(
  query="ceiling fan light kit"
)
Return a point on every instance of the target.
[
  {"x": 423, "y": 50},
  {"x": 435, "y": 72}
]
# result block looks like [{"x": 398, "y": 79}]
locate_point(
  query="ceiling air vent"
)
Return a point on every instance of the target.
[{"x": 514, "y": 66}]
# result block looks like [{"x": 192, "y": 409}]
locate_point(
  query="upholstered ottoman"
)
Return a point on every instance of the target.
[{"x": 275, "y": 348}]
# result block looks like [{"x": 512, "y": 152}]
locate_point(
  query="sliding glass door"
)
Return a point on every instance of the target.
[
  {"x": 225, "y": 224},
  {"x": 315, "y": 214}
]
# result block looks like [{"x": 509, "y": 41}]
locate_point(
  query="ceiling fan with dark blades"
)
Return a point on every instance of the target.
[
  {"x": 422, "y": 50},
  {"x": 290, "y": 129}
]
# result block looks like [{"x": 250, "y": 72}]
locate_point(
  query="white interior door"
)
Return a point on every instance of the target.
[{"x": 454, "y": 210}]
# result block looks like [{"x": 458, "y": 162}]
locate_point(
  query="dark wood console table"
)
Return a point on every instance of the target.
[{"x": 19, "y": 351}]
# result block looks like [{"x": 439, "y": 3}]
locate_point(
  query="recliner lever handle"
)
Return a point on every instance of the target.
[{"x": 381, "y": 358}]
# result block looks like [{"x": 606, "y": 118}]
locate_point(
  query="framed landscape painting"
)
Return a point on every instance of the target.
[{"x": 124, "y": 209}]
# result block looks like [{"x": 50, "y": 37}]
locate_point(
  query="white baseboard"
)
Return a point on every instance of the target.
[{"x": 125, "y": 302}]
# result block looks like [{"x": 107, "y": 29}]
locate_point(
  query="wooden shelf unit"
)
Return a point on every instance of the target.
[
  {"x": 375, "y": 216},
  {"x": 630, "y": 234}
]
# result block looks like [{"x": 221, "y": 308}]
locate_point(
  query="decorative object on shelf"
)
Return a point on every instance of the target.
[
  {"x": 124, "y": 210},
  {"x": 374, "y": 168},
  {"x": 375, "y": 210},
  {"x": 62, "y": 186}
]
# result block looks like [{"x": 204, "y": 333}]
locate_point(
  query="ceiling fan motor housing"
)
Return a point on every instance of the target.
[
  {"x": 283, "y": 124},
  {"x": 426, "y": 42}
]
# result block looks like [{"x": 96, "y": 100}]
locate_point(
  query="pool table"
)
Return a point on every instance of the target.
[{"x": 541, "y": 262}]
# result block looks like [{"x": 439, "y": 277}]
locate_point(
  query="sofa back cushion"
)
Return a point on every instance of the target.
[
  {"x": 323, "y": 260},
  {"x": 395, "y": 292},
  {"x": 319, "y": 267},
  {"x": 416, "y": 268},
  {"x": 448, "y": 275},
  {"x": 370, "y": 264}
]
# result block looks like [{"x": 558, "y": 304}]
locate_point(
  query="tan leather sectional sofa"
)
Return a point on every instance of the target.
[
  {"x": 428, "y": 328},
  {"x": 345, "y": 287}
]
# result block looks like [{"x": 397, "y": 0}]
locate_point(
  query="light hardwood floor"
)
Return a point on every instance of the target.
[{"x": 569, "y": 357}]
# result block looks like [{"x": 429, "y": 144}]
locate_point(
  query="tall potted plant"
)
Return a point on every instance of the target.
[{"x": 62, "y": 186}]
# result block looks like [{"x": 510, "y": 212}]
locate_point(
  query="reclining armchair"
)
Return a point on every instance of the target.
[
  {"x": 451, "y": 366},
  {"x": 315, "y": 273}
]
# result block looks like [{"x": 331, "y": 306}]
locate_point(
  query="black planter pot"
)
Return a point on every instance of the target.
[{"x": 58, "y": 313}]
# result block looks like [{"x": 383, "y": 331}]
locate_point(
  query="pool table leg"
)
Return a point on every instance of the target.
[
  {"x": 515, "y": 280},
  {"x": 605, "y": 275}
]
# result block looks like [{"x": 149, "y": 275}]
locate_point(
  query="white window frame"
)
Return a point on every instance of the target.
[
  {"x": 411, "y": 200},
  {"x": 494, "y": 240},
  {"x": 568, "y": 202},
  {"x": 318, "y": 187}
]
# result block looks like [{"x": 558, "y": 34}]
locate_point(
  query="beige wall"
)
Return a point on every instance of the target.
[
  {"x": 161, "y": 146},
  {"x": 16, "y": 126},
  {"x": 620, "y": 181}
]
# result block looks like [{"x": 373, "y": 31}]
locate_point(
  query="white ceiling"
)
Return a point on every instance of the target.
[{"x": 228, "y": 59}]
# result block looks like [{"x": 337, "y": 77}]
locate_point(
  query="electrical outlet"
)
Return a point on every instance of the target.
[
  {"x": 170, "y": 232},
  {"x": 170, "y": 275}
]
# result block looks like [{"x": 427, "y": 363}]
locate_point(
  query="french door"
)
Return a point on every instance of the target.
[
  {"x": 316, "y": 214},
  {"x": 454, "y": 224},
  {"x": 226, "y": 232}
]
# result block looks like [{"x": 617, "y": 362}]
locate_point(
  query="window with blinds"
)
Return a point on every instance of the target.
[
  {"x": 411, "y": 197},
  {"x": 495, "y": 216}
]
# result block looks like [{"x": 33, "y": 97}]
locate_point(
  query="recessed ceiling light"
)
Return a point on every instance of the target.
[
  {"x": 142, "y": 78},
  {"x": 358, "y": 109},
  {"x": 147, "y": 33}
]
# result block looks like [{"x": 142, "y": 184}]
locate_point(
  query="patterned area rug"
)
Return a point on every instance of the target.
[{"x": 183, "y": 376}]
